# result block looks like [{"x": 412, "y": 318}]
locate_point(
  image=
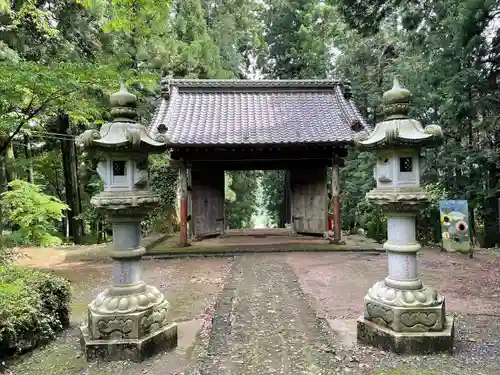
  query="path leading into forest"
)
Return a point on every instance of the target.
[
  {"x": 296, "y": 314},
  {"x": 264, "y": 325}
]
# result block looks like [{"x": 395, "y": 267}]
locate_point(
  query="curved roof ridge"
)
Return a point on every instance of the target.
[{"x": 259, "y": 83}]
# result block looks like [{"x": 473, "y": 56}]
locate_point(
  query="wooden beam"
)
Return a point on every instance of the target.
[
  {"x": 257, "y": 165},
  {"x": 256, "y": 154}
]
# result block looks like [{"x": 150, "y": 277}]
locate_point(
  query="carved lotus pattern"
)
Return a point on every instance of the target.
[
  {"x": 424, "y": 297},
  {"x": 107, "y": 303}
]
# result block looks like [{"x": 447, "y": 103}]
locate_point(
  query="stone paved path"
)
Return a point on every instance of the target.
[{"x": 264, "y": 325}]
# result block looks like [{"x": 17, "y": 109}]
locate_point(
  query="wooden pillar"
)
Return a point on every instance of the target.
[
  {"x": 183, "y": 240},
  {"x": 336, "y": 200},
  {"x": 190, "y": 204}
]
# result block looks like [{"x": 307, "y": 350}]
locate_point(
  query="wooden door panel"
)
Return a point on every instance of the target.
[
  {"x": 207, "y": 191},
  {"x": 309, "y": 200}
]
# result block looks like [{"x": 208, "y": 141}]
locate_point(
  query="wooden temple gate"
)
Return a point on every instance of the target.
[{"x": 213, "y": 126}]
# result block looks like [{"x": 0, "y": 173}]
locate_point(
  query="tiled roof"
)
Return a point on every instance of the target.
[{"x": 263, "y": 112}]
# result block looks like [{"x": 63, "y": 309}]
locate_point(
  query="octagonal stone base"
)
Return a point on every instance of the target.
[
  {"x": 135, "y": 350},
  {"x": 406, "y": 319},
  {"x": 384, "y": 338},
  {"x": 419, "y": 310}
]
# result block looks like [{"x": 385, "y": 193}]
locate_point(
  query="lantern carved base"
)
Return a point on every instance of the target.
[
  {"x": 135, "y": 350},
  {"x": 405, "y": 321},
  {"x": 129, "y": 326},
  {"x": 418, "y": 310},
  {"x": 385, "y": 338}
]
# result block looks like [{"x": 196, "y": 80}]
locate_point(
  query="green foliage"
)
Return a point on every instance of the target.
[
  {"x": 371, "y": 218},
  {"x": 236, "y": 29},
  {"x": 298, "y": 35},
  {"x": 33, "y": 211},
  {"x": 450, "y": 64},
  {"x": 198, "y": 53},
  {"x": 164, "y": 182},
  {"x": 356, "y": 179},
  {"x": 7, "y": 254},
  {"x": 66, "y": 57},
  {"x": 34, "y": 306},
  {"x": 244, "y": 185},
  {"x": 49, "y": 172},
  {"x": 429, "y": 223},
  {"x": 273, "y": 194},
  {"x": 229, "y": 194},
  {"x": 14, "y": 239},
  {"x": 31, "y": 92}
]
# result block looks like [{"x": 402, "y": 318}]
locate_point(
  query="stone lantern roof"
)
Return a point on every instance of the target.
[
  {"x": 397, "y": 130},
  {"x": 123, "y": 133}
]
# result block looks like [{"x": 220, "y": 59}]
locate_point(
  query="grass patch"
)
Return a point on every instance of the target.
[{"x": 78, "y": 306}]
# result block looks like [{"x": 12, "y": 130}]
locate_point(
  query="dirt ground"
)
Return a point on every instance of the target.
[
  {"x": 191, "y": 286},
  {"x": 336, "y": 283},
  {"x": 280, "y": 314}
]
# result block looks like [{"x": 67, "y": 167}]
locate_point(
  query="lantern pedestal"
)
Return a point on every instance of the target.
[
  {"x": 400, "y": 313},
  {"x": 129, "y": 320},
  {"x": 384, "y": 338},
  {"x": 135, "y": 350}
]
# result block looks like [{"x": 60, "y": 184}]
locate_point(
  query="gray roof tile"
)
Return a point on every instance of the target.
[{"x": 223, "y": 112}]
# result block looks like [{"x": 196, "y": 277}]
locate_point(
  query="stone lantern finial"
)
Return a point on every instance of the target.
[
  {"x": 396, "y": 101},
  {"x": 123, "y": 104},
  {"x": 398, "y": 130}
]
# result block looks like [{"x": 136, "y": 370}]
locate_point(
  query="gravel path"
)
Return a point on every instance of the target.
[
  {"x": 296, "y": 314},
  {"x": 264, "y": 325}
]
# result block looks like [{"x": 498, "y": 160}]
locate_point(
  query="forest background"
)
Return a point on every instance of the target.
[{"x": 60, "y": 60}]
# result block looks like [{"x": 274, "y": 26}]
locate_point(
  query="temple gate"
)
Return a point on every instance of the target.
[{"x": 302, "y": 126}]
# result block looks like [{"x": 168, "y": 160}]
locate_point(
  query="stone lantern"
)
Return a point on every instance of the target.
[
  {"x": 400, "y": 313},
  {"x": 129, "y": 320}
]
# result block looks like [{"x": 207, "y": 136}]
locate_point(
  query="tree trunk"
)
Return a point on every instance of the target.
[
  {"x": 9, "y": 163},
  {"x": 29, "y": 170},
  {"x": 71, "y": 181},
  {"x": 491, "y": 209},
  {"x": 3, "y": 184}
]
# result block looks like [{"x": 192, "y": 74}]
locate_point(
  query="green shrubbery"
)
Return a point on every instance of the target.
[
  {"x": 34, "y": 306},
  {"x": 164, "y": 183},
  {"x": 34, "y": 212}
]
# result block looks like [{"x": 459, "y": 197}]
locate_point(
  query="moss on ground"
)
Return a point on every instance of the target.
[{"x": 55, "y": 358}]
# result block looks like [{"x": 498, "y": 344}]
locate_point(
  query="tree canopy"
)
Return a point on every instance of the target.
[{"x": 60, "y": 60}]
